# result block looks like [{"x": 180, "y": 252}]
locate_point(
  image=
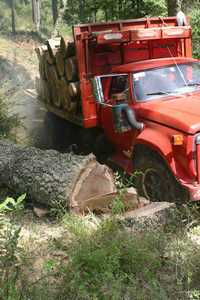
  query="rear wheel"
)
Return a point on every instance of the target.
[{"x": 156, "y": 182}]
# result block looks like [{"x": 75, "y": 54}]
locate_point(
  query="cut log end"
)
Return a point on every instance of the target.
[
  {"x": 94, "y": 180},
  {"x": 71, "y": 69}
]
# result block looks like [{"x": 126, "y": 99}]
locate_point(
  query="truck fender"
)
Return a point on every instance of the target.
[{"x": 158, "y": 143}]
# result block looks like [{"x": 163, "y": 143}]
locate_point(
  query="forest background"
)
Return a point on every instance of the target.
[{"x": 40, "y": 16}]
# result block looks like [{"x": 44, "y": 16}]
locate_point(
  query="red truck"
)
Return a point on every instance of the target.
[{"x": 140, "y": 88}]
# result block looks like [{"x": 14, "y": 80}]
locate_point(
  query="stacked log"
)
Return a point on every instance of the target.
[{"x": 59, "y": 81}]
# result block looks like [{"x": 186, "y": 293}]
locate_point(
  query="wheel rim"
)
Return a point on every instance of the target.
[{"x": 152, "y": 184}]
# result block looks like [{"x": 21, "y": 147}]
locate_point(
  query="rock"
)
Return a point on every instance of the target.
[
  {"x": 152, "y": 214},
  {"x": 40, "y": 212}
]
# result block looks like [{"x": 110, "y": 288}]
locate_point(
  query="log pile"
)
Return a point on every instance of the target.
[{"x": 59, "y": 81}]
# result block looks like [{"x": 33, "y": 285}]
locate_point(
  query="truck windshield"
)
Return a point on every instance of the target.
[{"x": 160, "y": 82}]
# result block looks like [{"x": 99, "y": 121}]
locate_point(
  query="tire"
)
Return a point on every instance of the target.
[{"x": 156, "y": 182}]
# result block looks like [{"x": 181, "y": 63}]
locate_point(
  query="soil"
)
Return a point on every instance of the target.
[
  {"x": 39, "y": 239},
  {"x": 18, "y": 72}
]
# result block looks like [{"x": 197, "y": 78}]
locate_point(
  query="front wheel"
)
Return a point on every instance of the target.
[{"x": 156, "y": 182}]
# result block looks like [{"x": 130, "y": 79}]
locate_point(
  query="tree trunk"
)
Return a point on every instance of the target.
[
  {"x": 173, "y": 6},
  {"x": 49, "y": 177},
  {"x": 54, "y": 6},
  {"x": 82, "y": 10},
  {"x": 36, "y": 14},
  {"x": 13, "y": 16},
  {"x": 61, "y": 13}
]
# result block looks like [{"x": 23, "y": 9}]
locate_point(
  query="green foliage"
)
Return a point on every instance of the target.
[
  {"x": 10, "y": 204},
  {"x": 79, "y": 11},
  {"x": 111, "y": 263},
  {"x": 118, "y": 205},
  {"x": 112, "y": 10},
  {"x": 195, "y": 21},
  {"x": 9, "y": 250},
  {"x": 105, "y": 264}
]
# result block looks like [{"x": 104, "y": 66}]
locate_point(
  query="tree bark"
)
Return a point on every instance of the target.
[{"x": 50, "y": 176}]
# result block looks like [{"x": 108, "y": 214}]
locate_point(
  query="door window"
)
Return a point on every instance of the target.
[
  {"x": 119, "y": 85},
  {"x": 114, "y": 87}
]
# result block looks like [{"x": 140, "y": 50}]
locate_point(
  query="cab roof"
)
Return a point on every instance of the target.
[{"x": 152, "y": 63}]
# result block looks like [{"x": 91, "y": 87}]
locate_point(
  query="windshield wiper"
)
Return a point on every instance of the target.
[{"x": 159, "y": 93}]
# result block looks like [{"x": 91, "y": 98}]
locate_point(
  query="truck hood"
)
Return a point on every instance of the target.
[{"x": 182, "y": 112}]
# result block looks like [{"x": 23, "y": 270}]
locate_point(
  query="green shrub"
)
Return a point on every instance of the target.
[
  {"x": 112, "y": 263},
  {"x": 9, "y": 250},
  {"x": 105, "y": 264}
]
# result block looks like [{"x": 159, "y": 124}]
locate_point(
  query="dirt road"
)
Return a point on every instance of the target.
[{"x": 18, "y": 72}]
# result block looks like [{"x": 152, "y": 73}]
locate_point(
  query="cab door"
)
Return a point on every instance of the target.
[{"x": 114, "y": 92}]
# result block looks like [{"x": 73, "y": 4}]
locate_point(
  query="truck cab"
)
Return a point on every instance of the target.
[{"x": 164, "y": 96}]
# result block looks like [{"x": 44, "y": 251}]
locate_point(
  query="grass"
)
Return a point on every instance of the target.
[
  {"x": 9, "y": 250},
  {"x": 112, "y": 263},
  {"x": 100, "y": 259}
]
